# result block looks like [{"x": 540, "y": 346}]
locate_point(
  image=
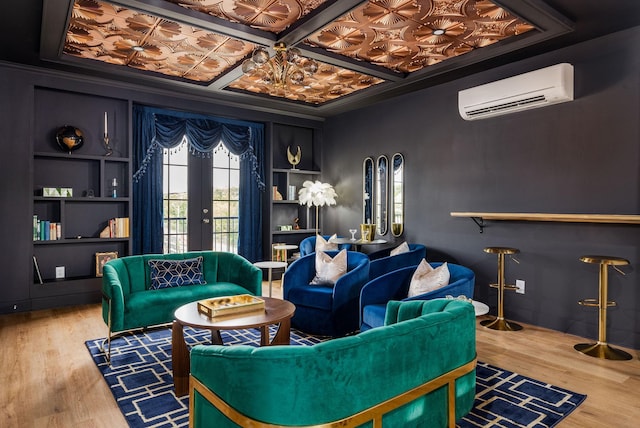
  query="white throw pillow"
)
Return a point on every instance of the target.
[
  {"x": 426, "y": 278},
  {"x": 402, "y": 248},
  {"x": 328, "y": 269},
  {"x": 322, "y": 245}
]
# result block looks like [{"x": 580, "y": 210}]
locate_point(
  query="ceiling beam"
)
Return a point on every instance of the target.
[
  {"x": 338, "y": 60},
  {"x": 55, "y": 14},
  {"x": 317, "y": 19}
]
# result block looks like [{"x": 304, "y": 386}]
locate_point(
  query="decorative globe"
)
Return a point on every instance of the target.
[
  {"x": 260, "y": 56},
  {"x": 297, "y": 77},
  {"x": 248, "y": 66},
  {"x": 69, "y": 138}
]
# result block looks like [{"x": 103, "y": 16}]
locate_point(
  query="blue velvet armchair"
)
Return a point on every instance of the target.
[
  {"x": 322, "y": 309},
  {"x": 308, "y": 245},
  {"x": 382, "y": 262},
  {"x": 395, "y": 285}
]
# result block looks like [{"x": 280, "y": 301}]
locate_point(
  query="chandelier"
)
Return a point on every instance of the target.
[{"x": 287, "y": 66}]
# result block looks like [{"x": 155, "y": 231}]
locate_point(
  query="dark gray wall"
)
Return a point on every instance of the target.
[
  {"x": 17, "y": 118},
  {"x": 576, "y": 157}
]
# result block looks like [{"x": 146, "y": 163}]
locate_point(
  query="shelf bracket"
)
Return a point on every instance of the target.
[{"x": 480, "y": 222}]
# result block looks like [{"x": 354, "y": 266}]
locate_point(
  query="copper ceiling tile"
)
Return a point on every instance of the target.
[
  {"x": 109, "y": 33},
  {"x": 399, "y": 34},
  {"x": 328, "y": 83},
  {"x": 268, "y": 15}
]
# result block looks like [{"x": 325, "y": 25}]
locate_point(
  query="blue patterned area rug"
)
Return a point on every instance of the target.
[{"x": 141, "y": 381}]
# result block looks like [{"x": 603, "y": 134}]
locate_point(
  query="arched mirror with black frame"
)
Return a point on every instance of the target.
[
  {"x": 382, "y": 194},
  {"x": 367, "y": 190},
  {"x": 397, "y": 194}
]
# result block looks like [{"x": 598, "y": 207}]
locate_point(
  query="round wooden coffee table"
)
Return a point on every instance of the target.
[{"x": 277, "y": 311}]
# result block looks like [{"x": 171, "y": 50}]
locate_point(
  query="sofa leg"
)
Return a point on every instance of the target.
[
  {"x": 108, "y": 350},
  {"x": 108, "y": 338}
]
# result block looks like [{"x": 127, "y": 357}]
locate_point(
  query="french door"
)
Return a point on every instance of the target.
[{"x": 201, "y": 198}]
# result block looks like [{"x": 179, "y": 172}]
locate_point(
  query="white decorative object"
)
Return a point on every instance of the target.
[
  {"x": 329, "y": 270},
  {"x": 426, "y": 278},
  {"x": 402, "y": 248},
  {"x": 326, "y": 245},
  {"x": 317, "y": 194}
]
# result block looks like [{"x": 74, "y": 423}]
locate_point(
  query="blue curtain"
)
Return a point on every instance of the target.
[{"x": 157, "y": 129}]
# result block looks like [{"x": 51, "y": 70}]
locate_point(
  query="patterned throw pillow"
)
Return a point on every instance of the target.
[
  {"x": 175, "y": 273},
  {"x": 329, "y": 270},
  {"x": 322, "y": 245},
  {"x": 426, "y": 278}
]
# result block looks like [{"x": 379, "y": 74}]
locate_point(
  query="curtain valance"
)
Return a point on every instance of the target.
[{"x": 203, "y": 135}]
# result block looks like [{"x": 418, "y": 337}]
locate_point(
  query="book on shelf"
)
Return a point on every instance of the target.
[
  {"x": 36, "y": 270},
  {"x": 118, "y": 227},
  {"x": 46, "y": 230}
]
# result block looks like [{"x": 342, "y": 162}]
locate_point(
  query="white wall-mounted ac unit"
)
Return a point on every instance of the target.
[{"x": 538, "y": 88}]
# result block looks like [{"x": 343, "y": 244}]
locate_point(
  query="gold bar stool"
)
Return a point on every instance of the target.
[
  {"x": 499, "y": 323},
  {"x": 601, "y": 348}
]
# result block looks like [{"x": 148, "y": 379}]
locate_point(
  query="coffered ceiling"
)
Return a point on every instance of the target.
[{"x": 359, "y": 51}]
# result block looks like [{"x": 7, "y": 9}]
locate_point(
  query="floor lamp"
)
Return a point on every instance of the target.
[{"x": 317, "y": 194}]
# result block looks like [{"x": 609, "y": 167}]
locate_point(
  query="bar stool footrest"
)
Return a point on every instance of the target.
[
  {"x": 594, "y": 302},
  {"x": 506, "y": 286}
]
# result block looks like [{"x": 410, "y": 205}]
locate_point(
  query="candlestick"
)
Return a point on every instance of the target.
[
  {"x": 109, "y": 150},
  {"x": 105, "y": 137}
]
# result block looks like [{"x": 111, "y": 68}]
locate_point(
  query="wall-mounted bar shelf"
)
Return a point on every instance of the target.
[{"x": 480, "y": 217}]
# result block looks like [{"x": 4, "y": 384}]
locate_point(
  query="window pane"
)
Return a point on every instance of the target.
[
  {"x": 178, "y": 179},
  {"x": 220, "y": 209},
  {"x": 226, "y": 183},
  {"x": 175, "y": 199},
  {"x": 234, "y": 209}
]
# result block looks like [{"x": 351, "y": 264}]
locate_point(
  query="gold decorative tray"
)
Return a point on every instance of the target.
[{"x": 230, "y": 305}]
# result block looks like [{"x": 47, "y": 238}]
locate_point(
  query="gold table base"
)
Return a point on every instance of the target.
[
  {"x": 602, "y": 350},
  {"x": 501, "y": 324}
]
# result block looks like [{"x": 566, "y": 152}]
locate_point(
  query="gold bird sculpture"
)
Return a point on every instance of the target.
[{"x": 294, "y": 159}]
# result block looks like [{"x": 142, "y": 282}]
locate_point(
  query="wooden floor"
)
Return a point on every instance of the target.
[{"x": 47, "y": 378}]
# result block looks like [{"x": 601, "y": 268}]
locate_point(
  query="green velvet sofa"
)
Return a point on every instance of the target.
[
  {"x": 418, "y": 370},
  {"x": 128, "y": 303}
]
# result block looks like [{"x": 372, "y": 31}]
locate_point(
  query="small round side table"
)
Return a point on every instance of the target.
[
  {"x": 270, "y": 265},
  {"x": 281, "y": 251},
  {"x": 601, "y": 348},
  {"x": 480, "y": 308}
]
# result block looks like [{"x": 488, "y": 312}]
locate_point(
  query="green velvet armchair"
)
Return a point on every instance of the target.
[{"x": 416, "y": 371}]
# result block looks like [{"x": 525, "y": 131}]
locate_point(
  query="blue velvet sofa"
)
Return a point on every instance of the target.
[
  {"x": 308, "y": 245},
  {"x": 395, "y": 286},
  {"x": 322, "y": 309},
  {"x": 416, "y": 371},
  {"x": 383, "y": 262}
]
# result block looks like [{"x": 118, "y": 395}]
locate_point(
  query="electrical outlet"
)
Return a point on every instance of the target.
[
  {"x": 520, "y": 286},
  {"x": 59, "y": 272}
]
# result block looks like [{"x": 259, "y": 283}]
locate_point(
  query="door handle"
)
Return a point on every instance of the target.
[{"x": 206, "y": 220}]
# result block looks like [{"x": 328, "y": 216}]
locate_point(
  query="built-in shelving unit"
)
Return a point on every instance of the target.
[
  {"x": 480, "y": 217},
  {"x": 89, "y": 171},
  {"x": 286, "y": 182}
]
